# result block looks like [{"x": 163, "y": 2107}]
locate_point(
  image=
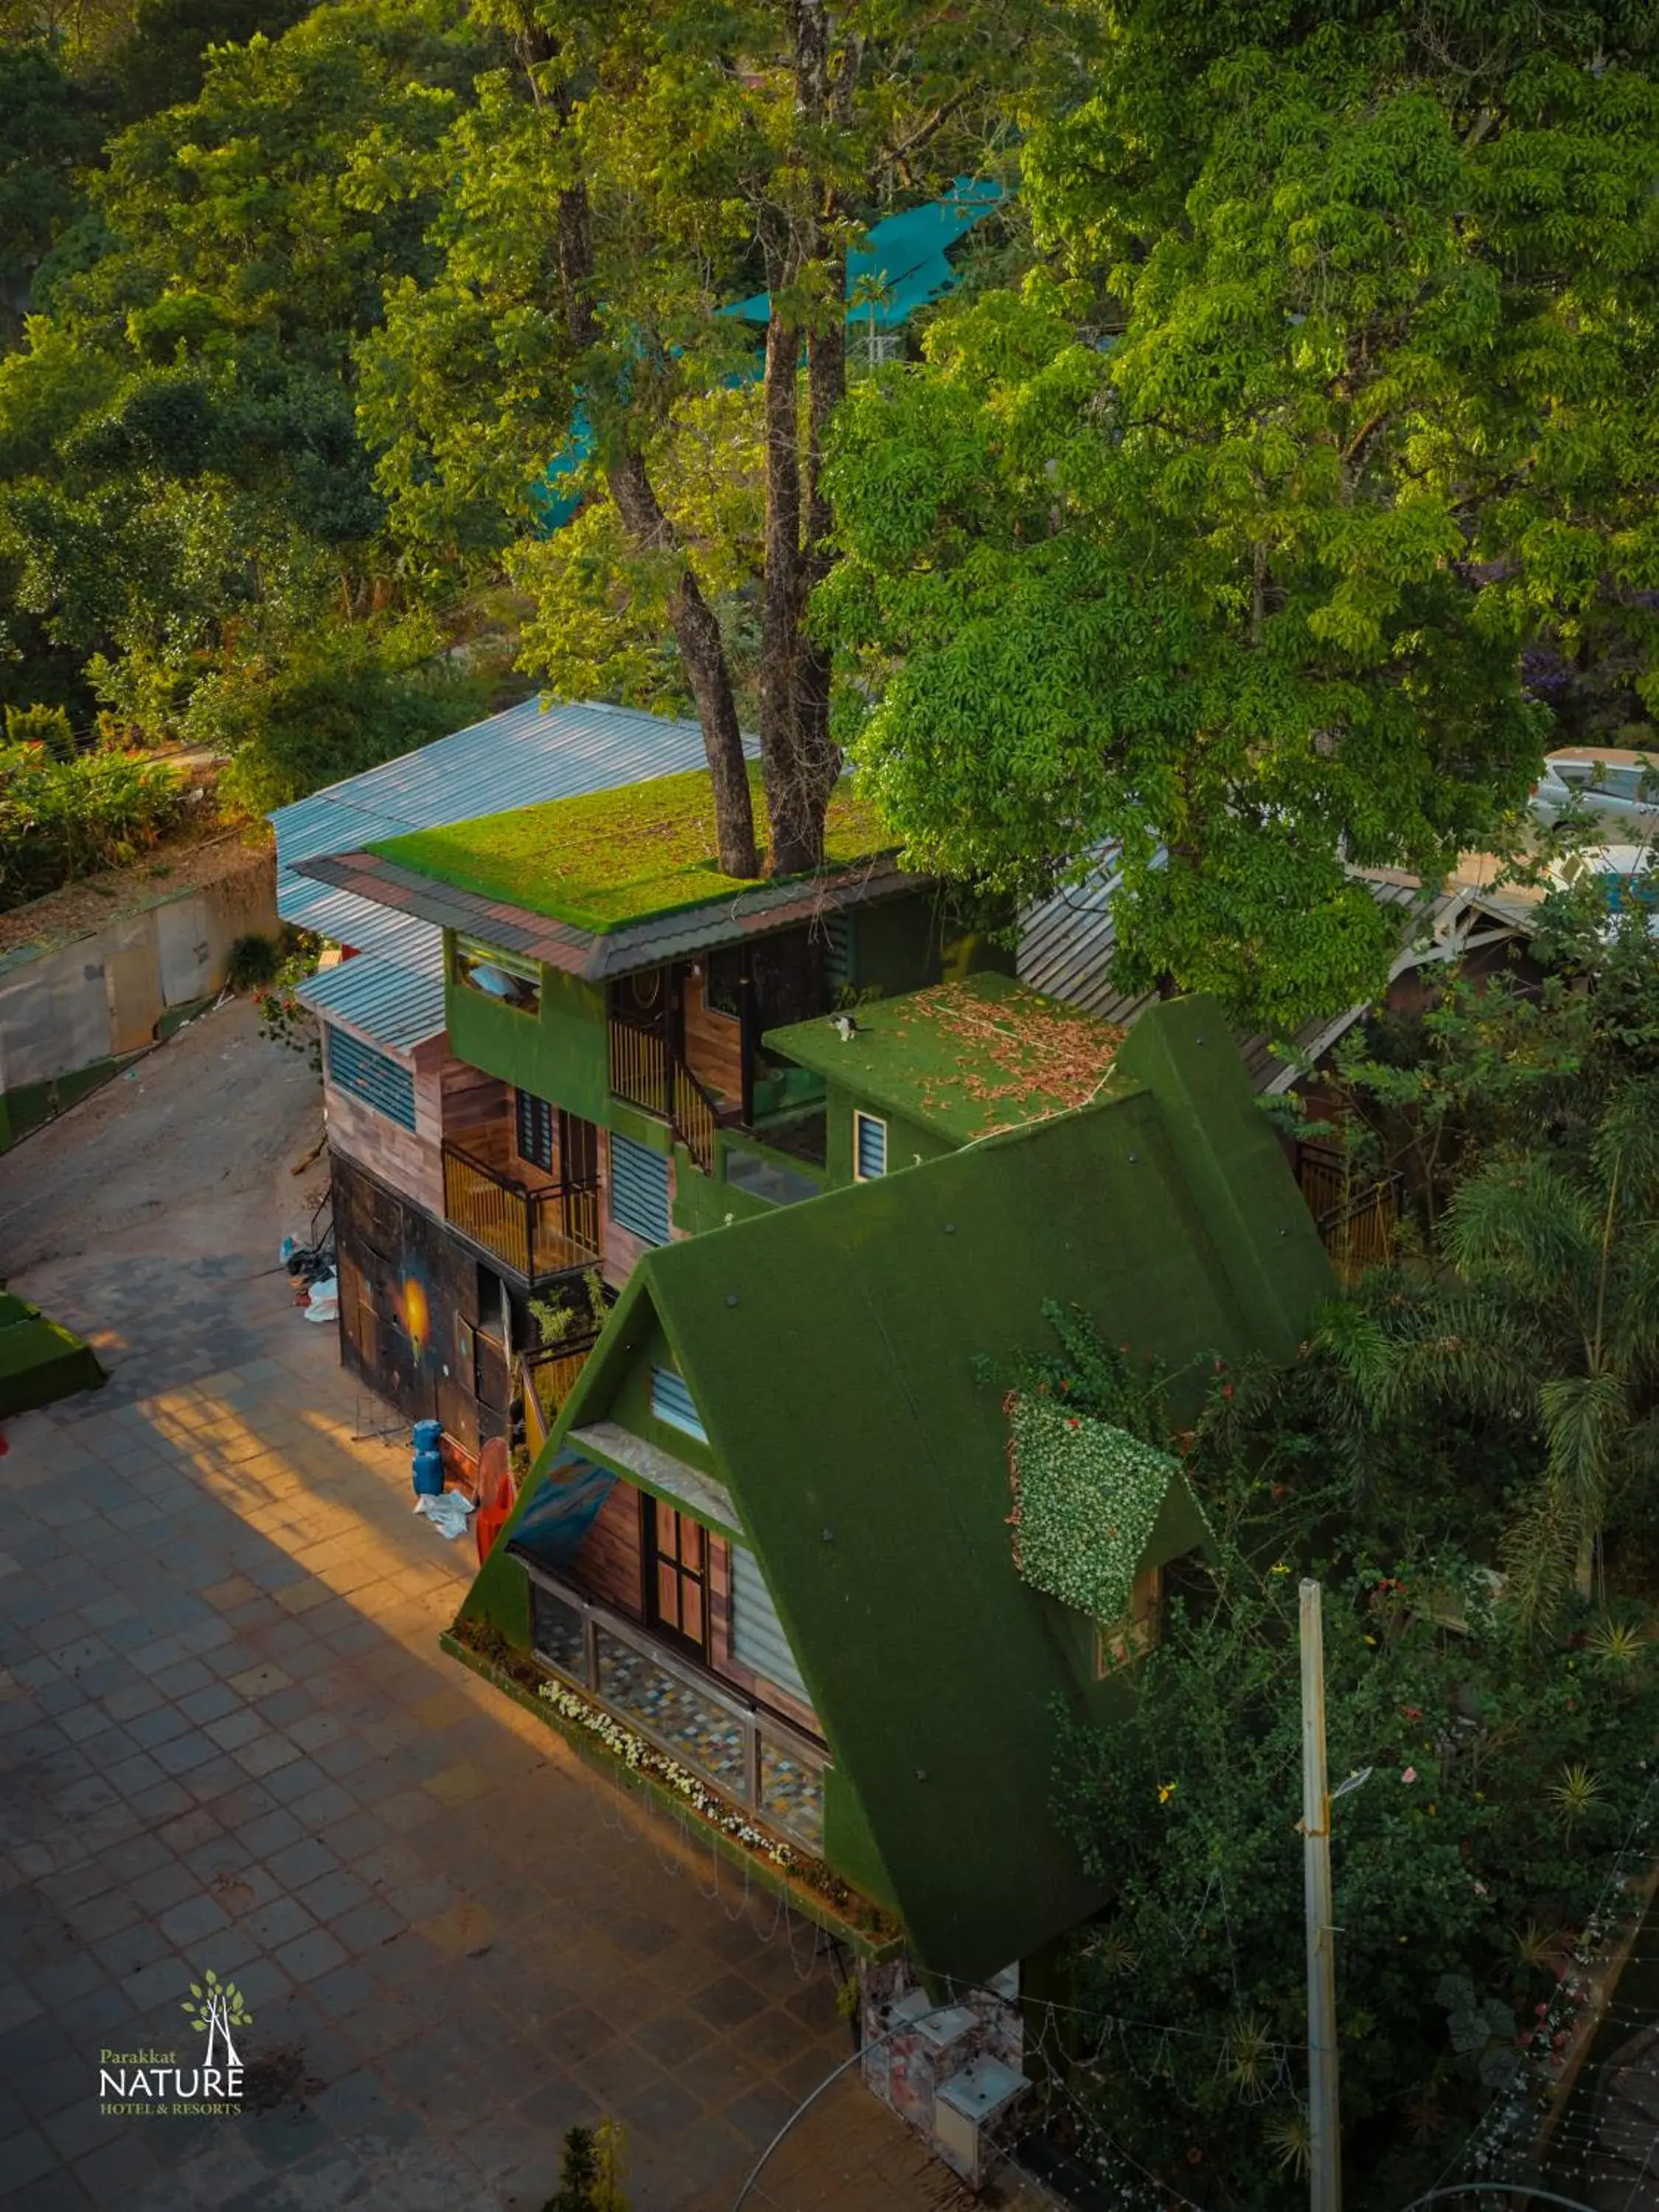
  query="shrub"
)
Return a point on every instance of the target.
[
  {"x": 61, "y": 819},
  {"x": 253, "y": 962}
]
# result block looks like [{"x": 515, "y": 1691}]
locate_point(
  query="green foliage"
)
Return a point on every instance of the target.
[
  {"x": 1526, "y": 1117},
  {"x": 350, "y": 696},
  {"x": 1479, "y": 1744},
  {"x": 62, "y": 818},
  {"x": 41, "y": 726},
  {"x": 590, "y": 2171},
  {"x": 1224, "y": 534},
  {"x": 185, "y": 501},
  {"x": 252, "y": 961},
  {"x": 46, "y": 128},
  {"x": 1086, "y": 1498}
]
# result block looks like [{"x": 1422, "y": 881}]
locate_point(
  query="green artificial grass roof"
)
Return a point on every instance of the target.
[
  {"x": 967, "y": 1058},
  {"x": 830, "y": 1349},
  {"x": 610, "y": 858}
]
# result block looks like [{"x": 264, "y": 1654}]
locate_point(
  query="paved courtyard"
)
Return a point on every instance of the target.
[{"x": 230, "y": 1741}]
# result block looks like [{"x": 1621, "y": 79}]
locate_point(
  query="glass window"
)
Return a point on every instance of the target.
[
  {"x": 688, "y": 1724},
  {"x": 767, "y": 1179},
  {"x": 510, "y": 981},
  {"x": 869, "y": 1147},
  {"x": 791, "y": 1791}
]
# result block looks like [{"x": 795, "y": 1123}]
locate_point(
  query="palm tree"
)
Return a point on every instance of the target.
[{"x": 1550, "y": 1304}]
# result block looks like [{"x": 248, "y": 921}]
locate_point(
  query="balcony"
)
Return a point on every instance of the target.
[{"x": 538, "y": 1233}]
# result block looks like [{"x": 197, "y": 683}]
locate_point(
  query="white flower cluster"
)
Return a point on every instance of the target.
[{"x": 644, "y": 1759}]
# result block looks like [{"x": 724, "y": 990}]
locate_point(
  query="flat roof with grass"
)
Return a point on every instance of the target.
[
  {"x": 610, "y": 858},
  {"x": 967, "y": 1058}
]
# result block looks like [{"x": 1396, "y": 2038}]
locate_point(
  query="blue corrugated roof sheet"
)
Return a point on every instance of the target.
[{"x": 393, "y": 990}]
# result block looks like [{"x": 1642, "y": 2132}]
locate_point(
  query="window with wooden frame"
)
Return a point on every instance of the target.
[
  {"x": 869, "y": 1147},
  {"x": 533, "y": 1129},
  {"x": 1120, "y": 1643},
  {"x": 675, "y": 1575}
]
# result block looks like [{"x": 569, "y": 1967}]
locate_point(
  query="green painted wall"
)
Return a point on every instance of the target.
[
  {"x": 906, "y": 943},
  {"x": 562, "y": 1054},
  {"x": 703, "y": 1202},
  {"x": 631, "y": 1406},
  {"x": 905, "y": 1140}
]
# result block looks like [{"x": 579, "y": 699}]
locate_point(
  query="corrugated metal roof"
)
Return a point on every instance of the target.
[
  {"x": 1067, "y": 943},
  {"x": 388, "y": 1003},
  {"x": 395, "y": 990},
  {"x": 512, "y": 759}
]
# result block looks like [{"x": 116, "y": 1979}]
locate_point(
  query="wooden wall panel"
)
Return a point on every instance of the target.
[
  {"x": 714, "y": 1042},
  {"x": 402, "y": 1158},
  {"x": 608, "y": 1566}
]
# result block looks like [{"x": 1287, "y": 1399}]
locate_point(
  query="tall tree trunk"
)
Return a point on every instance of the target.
[
  {"x": 801, "y": 762},
  {"x": 696, "y": 632},
  {"x": 781, "y": 589}
]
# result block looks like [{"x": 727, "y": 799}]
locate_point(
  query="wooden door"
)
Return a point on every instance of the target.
[{"x": 675, "y": 1577}]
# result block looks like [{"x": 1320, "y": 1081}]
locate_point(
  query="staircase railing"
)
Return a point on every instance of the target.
[
  {"x": 639, "y": 1066},
  {"x": 695, "y": 1118}
]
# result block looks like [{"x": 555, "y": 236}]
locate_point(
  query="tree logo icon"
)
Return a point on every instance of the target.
[{"x": 214, "y": 2008}]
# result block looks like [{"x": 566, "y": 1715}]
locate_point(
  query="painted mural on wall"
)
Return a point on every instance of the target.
[{"x": 410, "y": 1320}]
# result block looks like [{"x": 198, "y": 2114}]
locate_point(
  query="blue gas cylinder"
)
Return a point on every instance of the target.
[{"x": 428, "y": 1460}]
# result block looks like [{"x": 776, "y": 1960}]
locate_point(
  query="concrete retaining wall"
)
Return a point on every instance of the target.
[{"x": 69, "y": 1012}]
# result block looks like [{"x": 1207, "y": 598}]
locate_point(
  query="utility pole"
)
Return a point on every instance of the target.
[{"x": 1325, "y": 2131}]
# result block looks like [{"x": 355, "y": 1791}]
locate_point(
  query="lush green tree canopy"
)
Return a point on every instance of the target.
[
  {"x": 646, "y": 166},
  {"x": 1225, "y": 534},
  {"x": 183, "y": 492}
]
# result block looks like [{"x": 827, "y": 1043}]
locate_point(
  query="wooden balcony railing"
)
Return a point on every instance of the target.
[
  {"x": 639, "y": 1066},
  {"x": 551, "y": 1375},
  {"x": 1358, "y": 1216},
  {"x": 536, "y": 1233}
]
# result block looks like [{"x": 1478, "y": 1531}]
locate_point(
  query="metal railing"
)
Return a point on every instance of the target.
[
  {"x": 551, "y": 1375},
  {"x": 647, "y": 1074},
  {"x": 746, "y": 1750},
  {"x": 639, "y": 1066},
  {"x": 695, "y": 1118},
  {"x": 1357, "y": 1217},
  {"x": 536, "y": 1232}
]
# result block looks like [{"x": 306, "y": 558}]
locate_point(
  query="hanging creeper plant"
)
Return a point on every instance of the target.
[{"x": 1087, "y": 1496}]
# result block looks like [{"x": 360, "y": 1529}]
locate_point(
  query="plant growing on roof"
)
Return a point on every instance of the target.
[{"x": 1086, "y": 1499}]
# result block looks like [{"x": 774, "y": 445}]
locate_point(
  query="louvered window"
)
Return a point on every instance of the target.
[
  {"x": 758, "y": 1637},
  {"x": 373, "y": 1077},
  {"x": 534, "y": 1118},
  {"x": 673, "y": 1402},
  {"x": 639, "y": 1190},
  {"x": 869, "y": 1147},
  {"x": 837, "y": 950}
]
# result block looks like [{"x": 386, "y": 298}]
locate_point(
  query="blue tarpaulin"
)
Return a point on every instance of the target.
[
  {"x": 901, "y": 268},
  {"x": 556, "y": 1521}
]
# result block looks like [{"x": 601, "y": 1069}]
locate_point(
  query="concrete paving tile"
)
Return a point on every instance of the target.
[{"x": 311, "y": 1956}]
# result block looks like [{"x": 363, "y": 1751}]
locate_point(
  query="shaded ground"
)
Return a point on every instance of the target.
[{"x": 227, "y": 1741}]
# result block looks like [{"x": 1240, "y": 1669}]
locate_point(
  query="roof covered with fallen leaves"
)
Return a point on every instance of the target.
[{"x": 967, "y": 1059}]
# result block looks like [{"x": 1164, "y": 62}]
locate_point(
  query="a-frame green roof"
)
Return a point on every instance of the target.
[{"x": 830, "y": 1349}]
